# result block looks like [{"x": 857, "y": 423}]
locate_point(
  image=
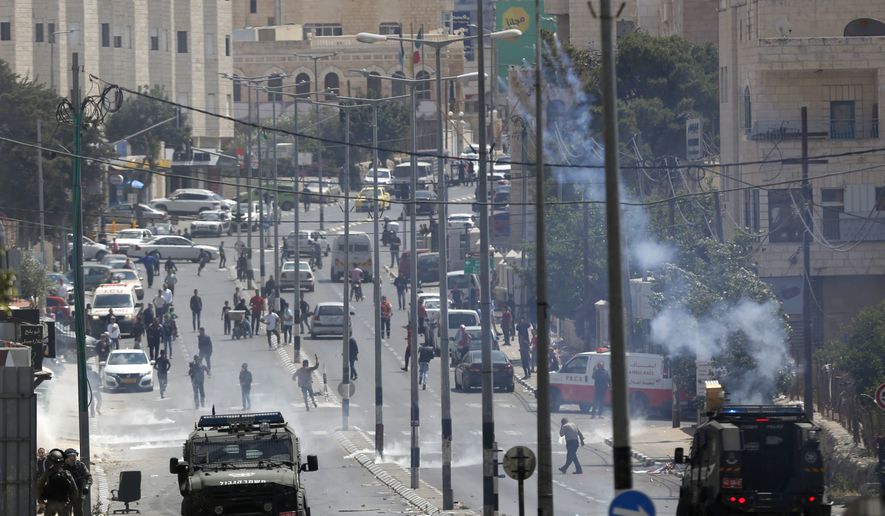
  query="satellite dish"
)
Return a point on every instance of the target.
[{"x": 782, "y": 26}]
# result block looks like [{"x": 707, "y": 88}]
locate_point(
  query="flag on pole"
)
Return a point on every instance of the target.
[
  {"x": 402, "y": 56},
  {"x": 419, "y": 37}
]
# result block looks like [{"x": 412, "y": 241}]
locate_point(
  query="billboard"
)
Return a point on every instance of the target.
[
  {"x": 461, "y": 24},
  {"x": 518, "y": 14}
]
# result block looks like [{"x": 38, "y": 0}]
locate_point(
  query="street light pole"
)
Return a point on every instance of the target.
[
  {"x": 413, "y": 290},
  {"x": 249, "y": 189},
  {"x": 275, "y": 208},
  {"x": 345, "y": 402}
]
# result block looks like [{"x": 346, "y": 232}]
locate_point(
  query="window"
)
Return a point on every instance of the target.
[
  {"x": 238, "y": 90},
  {"x": 833, "y": 203},
  {"x": 227, "y": 106},
  {"x": 302, "y": 85},
  {"x": 118, "y": 41},
  {"x": 577, "y": 365},
  {"x": 155, "y": 39},
  {"x": 105, "y": 34},
  {"x": 784, "y": 215},
  {"x": 842, "y": 119},
  {"x": 332, "y": 85},
  {"x": 322, "y": 29},
  {"x": 253, "y": 6},
  {"x": 275, "y": 87},
  {"x": 723, "y": 84},
  {"x": 50, "y": 32},
  {"x": 880, "y": 198},
  {"x": 398, "y": 88},
  {"x": 751, "y": 210},
  {"x": 182, "y": 42},
  {"x": 5, "y": 31},
  {"x": 373, "y": 85},
  {"x": 422, "y": 89},
  {"x": 209, "y": 43},
  {"x": 390, "y": 29},
  {"x": 38, "y": 33},
  {"x": 746, "y": 109},
  {"x": 227, "y": 45}
]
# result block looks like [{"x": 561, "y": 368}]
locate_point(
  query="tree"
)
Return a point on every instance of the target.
[
  {"x": 139, "y": 113},
  {"x": 862, "y": 352},
  {"x": 22, "y": 102},
  {"x": 32, "y": 282}
]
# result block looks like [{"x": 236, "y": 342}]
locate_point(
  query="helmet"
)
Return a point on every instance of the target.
[
  {"x": 71, "y": 451},
  {"x": 56, "y": 456}
]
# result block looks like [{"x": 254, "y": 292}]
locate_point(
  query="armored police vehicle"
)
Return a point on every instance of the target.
[
  {"x": 753, "y": 459},
  {"x": 242, "y": 464}
]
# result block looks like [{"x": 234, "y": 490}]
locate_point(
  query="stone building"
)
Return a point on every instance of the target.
[
  {"x": 776, "y": 57},
  {"x": 181, "y": 45}
]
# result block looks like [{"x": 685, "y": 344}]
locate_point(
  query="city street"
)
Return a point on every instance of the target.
[{"x": 142, "y": 431}]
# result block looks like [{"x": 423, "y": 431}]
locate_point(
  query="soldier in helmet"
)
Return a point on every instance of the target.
[
  {"x": 81, "y": 476},
  {"x": 56, "y": 488}
]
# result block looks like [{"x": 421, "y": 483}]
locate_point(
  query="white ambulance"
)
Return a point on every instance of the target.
[
  {"x": 118, "y": 297},
  {"x": 648, "y": 382}
]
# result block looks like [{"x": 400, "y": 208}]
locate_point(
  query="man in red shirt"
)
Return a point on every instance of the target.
[{"x": 257, "y": 306}]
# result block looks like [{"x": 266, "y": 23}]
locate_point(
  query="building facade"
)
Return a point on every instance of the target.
[
  {"x": 181, "y": 45},
  {"x": 776, "y": 57}
]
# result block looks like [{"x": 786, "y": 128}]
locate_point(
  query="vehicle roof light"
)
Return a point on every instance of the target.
[{"x": 234, "y": 419}]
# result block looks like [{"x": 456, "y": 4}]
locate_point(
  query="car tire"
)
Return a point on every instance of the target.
[
  {"x": 510, "y": 388},
  {"x": 99, "y": 255},
  {"x": 286, "y": 206}
]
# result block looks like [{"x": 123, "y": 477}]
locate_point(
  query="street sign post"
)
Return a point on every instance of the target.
[
  {"x": 631, "y": 503},
  {"x": 880, "y": 396},
  {"x": 519, "y": 464},
  {"x": 471, "y": 265},
  {"x": 346, "y": 390}
]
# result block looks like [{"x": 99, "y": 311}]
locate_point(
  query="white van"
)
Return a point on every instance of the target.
[
  {"x": 360, "y": 255},
  {"x": 118, "y": 297},
  {"x": 649, "y": 385},
  {"x": 402, "y": 178},
  {"x": 463, "y": 283}
]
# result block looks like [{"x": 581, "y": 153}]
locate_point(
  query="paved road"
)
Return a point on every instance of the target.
[{"x": 141, "y": 431}]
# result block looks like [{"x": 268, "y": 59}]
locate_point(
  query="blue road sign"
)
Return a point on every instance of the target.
[{"x": 631, "y": 503}]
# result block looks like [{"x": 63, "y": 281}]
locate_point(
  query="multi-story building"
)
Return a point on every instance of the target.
[
  {"x": 181, "y": 45},
  {"x": 777, "y": 57}
]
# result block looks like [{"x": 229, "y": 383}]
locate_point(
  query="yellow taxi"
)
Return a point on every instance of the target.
[{"x": 367, "y": 196}]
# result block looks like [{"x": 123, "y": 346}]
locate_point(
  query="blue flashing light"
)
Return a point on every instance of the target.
[
  {"x": 766, "y": 409},
  {"x": 241, "y": 419}
]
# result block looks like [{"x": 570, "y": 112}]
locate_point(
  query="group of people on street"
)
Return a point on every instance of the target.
[{"x": 63, "y": 482}]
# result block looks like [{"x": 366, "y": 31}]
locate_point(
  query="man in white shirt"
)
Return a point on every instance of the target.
[
  {"x": 114, "y": 332},
  {"x": 159, "y": 303},
  {"x": 167, "y": 296},
  {"x": 271, "y": 324}
]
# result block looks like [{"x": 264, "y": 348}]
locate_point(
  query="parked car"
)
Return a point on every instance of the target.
[
  {"x": 461, "y": 221},
  {"x": 468, "y": 372},
  {"x": 428, "y": 268},
  {"x": 328, "y": 319},
  {"x": 126, "y": 238},
  {"x": 385, "y": 179},
  {"x": 287, "y": 276},
  {"x": 161, "y": 228},
  {"x": 118, "y": 261},
  {"x": 211, "y": 222},
  {"x": 93, "y": 275},
  {"x": 367, "y": 198},
  {"x": 127, "y": 211},
  {"x": 91, "y": 250},
  {"x": 59, "y": 308},
  {"x": 189, "y": 201},
  {"x": 175, "y": 247},
  {"x": 130, "y": 278},
  {"x": 331, "y": 191},
  {"x": 128, "y": 369}
]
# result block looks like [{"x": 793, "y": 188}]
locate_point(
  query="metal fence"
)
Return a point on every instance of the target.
[{"x": 836, "y": 399}]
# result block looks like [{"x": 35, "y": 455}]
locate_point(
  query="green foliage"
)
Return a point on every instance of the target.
[
  {"x": 22, "y": 103},
  {"x": 138, "y": 113},
  {"x": 862, "y": 353},
  {"x": 32, "y": 282}
]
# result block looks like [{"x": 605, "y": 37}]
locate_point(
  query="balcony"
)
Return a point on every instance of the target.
[{"x": 851, "y": 128}]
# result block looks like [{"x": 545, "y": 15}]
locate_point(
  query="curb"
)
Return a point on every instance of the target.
[
  {"x": 398, "y": 487},
  {"x": 529, "y": 387},
  {"x": 644, "y": 460}
]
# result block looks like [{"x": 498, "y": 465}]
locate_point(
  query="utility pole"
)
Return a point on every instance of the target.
[
  {"x": 296, "y": 246},
  {"x": 376, "y": 297},
  {"x": 249, "y": 189},
  {"x": 40, "y": 193},
  {"x": 79, "y": 294},
  {"x": 345, "y": 355},
  {"x": 620, "y": 420},
  {"x": 275, "y": 209},
  {"x": 545, "y": 452},
  {"x": 261, "y": 196},
  {"x": 489, "y": 456},
  {"x": 806, "y": 273},
  {"x": 413, "y": 310}
]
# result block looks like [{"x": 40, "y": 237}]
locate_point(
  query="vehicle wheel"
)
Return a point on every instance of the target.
[
  {"x": 510, "y": 388},
  {"x": 585, "y": 407},
  {"x": 555, "y": 400},
  {"x": 286, "y": 206},
  {"x": 99, "y": 255},
  {"x": 639, "y": 405}
]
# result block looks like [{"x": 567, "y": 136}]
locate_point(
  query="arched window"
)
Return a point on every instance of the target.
[
  {"x": 746, "y": 109},
  {"x": 373, "y": 85},
  {"x": 331, "y": 85},
  {"x": 302, "y": 85},
  {"x": 864, "y": 27},
  {"x": 423, "y": 87},
  {"x": 398, "y": 88},
  {"x": 274, "y": 87}
]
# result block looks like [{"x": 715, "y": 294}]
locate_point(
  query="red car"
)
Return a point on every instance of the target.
[{"x": 58, "y": 307}]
